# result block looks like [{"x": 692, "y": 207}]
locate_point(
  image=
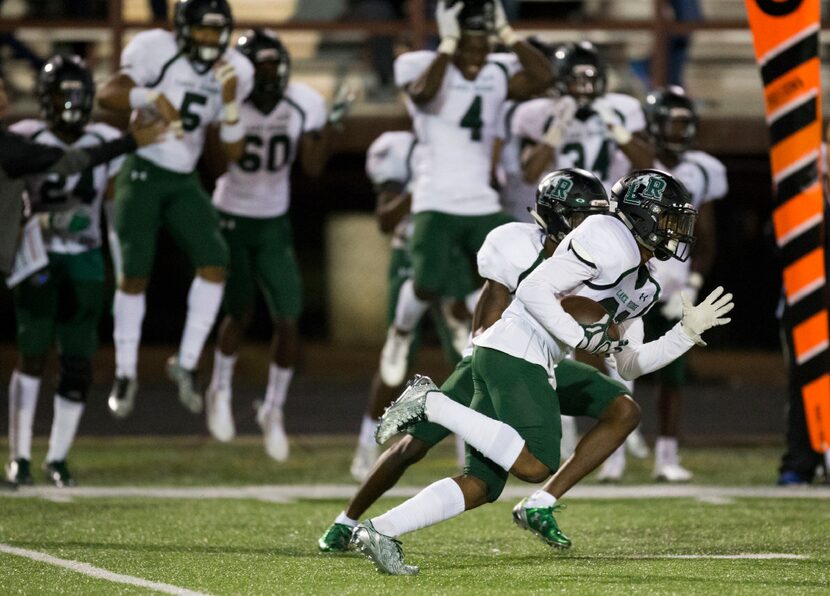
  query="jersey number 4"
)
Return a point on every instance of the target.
[
  {"x": 601, "y": 163},
  {"x": 472, "y": 119},
  {"x": 54, "y": 191},
  {"x": 276, "y": 155}
]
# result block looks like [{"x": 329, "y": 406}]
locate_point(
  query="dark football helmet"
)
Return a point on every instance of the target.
[
  {"x": 564, "y": 198},
  {"x": 658, "y": 210},
  {"x": 66, "y": 92},
  {"x": 271, "y": 61},
  {"x": 582, "y": 73},
  {"x": 477, "y": 16},
  {"x": 211, "y": 14},
  {"x": 672, "y": 119}
]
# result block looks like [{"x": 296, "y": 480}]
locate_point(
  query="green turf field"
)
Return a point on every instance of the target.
[{"x": 240, "y": 545}]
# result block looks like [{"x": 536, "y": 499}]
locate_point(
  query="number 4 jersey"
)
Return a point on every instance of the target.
[
  {"x": 258, "y": 185},
  {"x": 55, "y": 192}
]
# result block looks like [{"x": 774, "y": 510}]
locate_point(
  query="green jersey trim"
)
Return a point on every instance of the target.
[
  {"x": 504, "y": 70},
  {"x": 294, "y": 105},
  {"x": 164, "y": 68}
]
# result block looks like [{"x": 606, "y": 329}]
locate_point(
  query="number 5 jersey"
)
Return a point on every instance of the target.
[{"x": 258, "y": 185}]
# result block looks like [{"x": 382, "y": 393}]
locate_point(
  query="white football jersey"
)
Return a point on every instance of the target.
[
  {"x": 56, "y": 192},
  {"x": 599, "y": 260},
  {"x": 704, "y": 176},
  {"x": 587, "y": 144},
  {"x": 259, "y": 184},
  {"x": 153, "y": 60},
  {"x": 516, "y": 195},
  {"x": 390, "y": 159},
  {"x": 455, "y": 135},
  {"x": 510, "y": 253}
]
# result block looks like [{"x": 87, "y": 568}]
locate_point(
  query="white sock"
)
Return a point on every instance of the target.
[
  {"x": 494, "y": 439},
  {"x": 410, "y": 308},
  {"x": 367, "y": 430},
  {"x": 665, "y": 451},
  {"x": 345, "y": 520},
  {"x": 222, "y": 377},
  {"x": 203, "y": 302},
  {"x": 278, "y": 381},
  {"x": 471, "y": 299},
  {"x": 460, "y": 452},
  {"x": 540, "y": 499},
  {"x": 23, "y": 392},
  {"x": 570, "y": 437},
  {"x": 128, "y": 314},
  {"x": 65, "y": 419},
  {"x": 438, "y": 502}
]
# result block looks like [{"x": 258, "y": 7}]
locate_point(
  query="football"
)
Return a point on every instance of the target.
[{"x": 587, "y": 311}]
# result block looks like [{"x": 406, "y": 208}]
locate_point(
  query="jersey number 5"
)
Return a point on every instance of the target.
[
  {"x": 190, "y": 119},
  {"x": 472, "y": 119},
  {"x": 279, "y": 149}
]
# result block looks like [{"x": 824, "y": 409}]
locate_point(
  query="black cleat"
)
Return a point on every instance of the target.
[
  {"x": 58, "y": 474},
  {"x": 121, "y": 400},
  {"x": 18, "y": 472}
]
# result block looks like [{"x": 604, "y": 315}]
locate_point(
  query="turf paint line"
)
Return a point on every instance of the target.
[
  {"x": 97, "y": 572},
  {"x": 752, "y": 556},
  {"x": 291, "y": 492}
]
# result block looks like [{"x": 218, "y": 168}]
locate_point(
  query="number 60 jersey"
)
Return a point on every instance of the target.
[{"x": 258, "y": 185}]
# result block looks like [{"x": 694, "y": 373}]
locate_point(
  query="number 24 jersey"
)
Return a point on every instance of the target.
[{"x": 258, "y": 185}]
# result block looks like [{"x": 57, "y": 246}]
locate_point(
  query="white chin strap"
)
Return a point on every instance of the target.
[{"x": 538, "y": 219}]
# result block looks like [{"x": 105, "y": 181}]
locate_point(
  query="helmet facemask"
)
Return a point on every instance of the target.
[
  {"x": 68, "y": 108},
  {"x": 675, "y": 129},
  {"x": 206, "y": 42}
]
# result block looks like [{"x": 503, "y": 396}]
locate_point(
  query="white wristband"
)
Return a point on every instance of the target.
[
  {"x": 509, "y": 37},
  {"x": 695, "y": 280},
  {"x": 230, "y": 112},
  {"x": 141, "y": 97},
  {"x": 621, "y": 135},
  {"x": 448, "y": 46},
  {"x": 231, "y": 133}
]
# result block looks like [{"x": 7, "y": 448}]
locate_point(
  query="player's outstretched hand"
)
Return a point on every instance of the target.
[
  {"x": 343, "y": 100},
  {"x": 709, "y": 313},
  {"x": 563, "y": 113},
  {"x": 447, "y": 20},
  {"x": 597, "y": 340},
  {"x": 226, "y": 75}
]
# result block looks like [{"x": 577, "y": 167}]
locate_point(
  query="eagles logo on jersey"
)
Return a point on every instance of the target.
[
  {"x": 672, "y": 120},
  {"x": 195, "y": 16},
  {"x": 272, "y": 64},
  {"x": 582, "y": 72},
  {"x": 66, "y": 90},
  {"x": 658, "y": 210},
  {"x": 565, "y": 198}
]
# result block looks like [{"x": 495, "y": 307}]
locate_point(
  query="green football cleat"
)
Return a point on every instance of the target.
[
  {"x": 385, "y": 552},
  {"x": 540, "y": 521},
  {"x": 336, "y": 539},
  {"x": 405, "y": 411}
]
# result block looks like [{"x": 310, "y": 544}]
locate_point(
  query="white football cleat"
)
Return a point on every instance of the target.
[
  {"x": 613, "y": 468},
  {"x": 273, "y": 431},
  {"x": 672, "y": 473},
  {"x": 459, "y": 329},
  {"x": 636, "y": 445},
  {"x": 364, "y": 458},
  {"x": 394, "y": 357},
  {"x": 219, "y": 414}
]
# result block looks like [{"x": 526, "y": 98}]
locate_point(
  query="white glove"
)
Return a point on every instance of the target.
[
  {"x": 620, "y": 134},
  {"x": 597, "y": 341},
  {"x": 563, "y": 114},
  {"x": 503, "y": 29},
  {"x": 224, "y": 73},
  {"x": 709, "y": 313},
  {"x": 447, "y": 20},
  {"x": 341, "y": 105}
]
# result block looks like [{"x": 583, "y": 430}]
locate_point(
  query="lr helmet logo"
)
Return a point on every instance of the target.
[
  {"x": 778, "y": 8},
  {"x": 561, "y": 188},
  {"x": 654, "y": 188}
]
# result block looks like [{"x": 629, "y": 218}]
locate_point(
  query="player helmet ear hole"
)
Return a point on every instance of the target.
[
  {"x": 203, "y": 31},
  {"x": 564, "y": 198},
  {"x": 271, "y": 60},
  {"x": 66, "y": 91},
  {"x": 657, "y": 208},
  {"x": 672, "y": 118}
]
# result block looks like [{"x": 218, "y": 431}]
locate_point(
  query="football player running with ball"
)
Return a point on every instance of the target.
[
  {"x": 512, "y": 425},
  {"x": 672, "y": 126},
  {"x": 282, "y": 121},
  {"x": 63, "y": 302},
  {"x": 455, "y": 96},
  {"x": 565, "y": 198},
  {"x": 192, "y": 80}
]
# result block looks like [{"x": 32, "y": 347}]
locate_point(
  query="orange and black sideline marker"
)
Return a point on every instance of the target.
[{"x": 785, "y": 34}]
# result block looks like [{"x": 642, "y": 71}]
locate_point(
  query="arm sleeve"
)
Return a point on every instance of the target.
[
  {"x": 638, "y": 358},
  {"x": 541, "y": 291},
  {"x": 137, "y": 62},
  {"x": 411, "y": 65},
  {"x": 19, "y": 156}
]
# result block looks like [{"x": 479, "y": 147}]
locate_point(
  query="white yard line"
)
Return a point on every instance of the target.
[
  {"x": 96, "y": 572},
  {"x": 292, "y": 492},
  {"x": 753, "y": 556}
]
